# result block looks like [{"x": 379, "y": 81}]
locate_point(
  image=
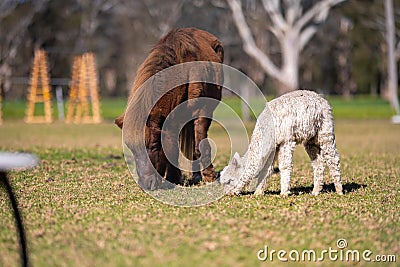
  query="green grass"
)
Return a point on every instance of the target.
[
  {"x": 82, "y": 208},
  {"x": 110, "y": 108},
  {"x": 14, "y": 109},
  {"x": 361, "y": 107}
]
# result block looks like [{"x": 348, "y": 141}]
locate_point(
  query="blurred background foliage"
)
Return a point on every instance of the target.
[{"x": 347, "y": 56}]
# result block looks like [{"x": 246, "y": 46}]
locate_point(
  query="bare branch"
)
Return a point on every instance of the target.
[
  {"x": 306, "y": 35},
  {"x": 318, "y": 12},
  {"x": 273, "y": 8},
  {"x": 163, "y": 17},
  {"x": 218, "y": 3},
  {"x": 278, "y": 34},
  {"x": 6, "y": 7},
  {"x": 109, "y": 5},
  {"x": 249, "y": 44},
  {"x": 294, "y": 11},
  {"x": 21, "y": 27}
]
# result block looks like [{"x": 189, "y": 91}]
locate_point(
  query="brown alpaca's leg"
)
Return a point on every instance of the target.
[
  {"x": 201, "y": 126},
  {"x": 171, "y": 148},
  {"x": 154, "y": 150}
]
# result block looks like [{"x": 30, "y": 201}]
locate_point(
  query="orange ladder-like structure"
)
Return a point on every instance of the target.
[
  {"x": 39, "y": 90},
  {"x": 84, "y": 104},
  {"x": 74, "y": 88}
]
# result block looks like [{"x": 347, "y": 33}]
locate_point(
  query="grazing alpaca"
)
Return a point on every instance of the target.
[
  {"x": 178, "y": 46},
  {"x": 299, "y": 117}
]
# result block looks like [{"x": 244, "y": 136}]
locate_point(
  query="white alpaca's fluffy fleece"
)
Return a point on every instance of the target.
[{"x": 300, "y": 117}]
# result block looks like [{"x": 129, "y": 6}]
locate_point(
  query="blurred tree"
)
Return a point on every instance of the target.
[
  {"x": 15, "y": 19},
  {"x": 391, "y": 55},
  {"x": 369, "y": 39},
  {"x": 365, "y": 54},
  {"x": 345, "y": 83},
  {"x": 91, "y": 13},
  {"x": 291, "y": 27},
  {"x": 121, "y": 33},
  {"x": 141, "y": 23}
]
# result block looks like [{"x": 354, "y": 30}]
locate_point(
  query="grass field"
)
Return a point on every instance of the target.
[
  {"x": 82, "y": 208},
  {"x": 366, "y": 107}
]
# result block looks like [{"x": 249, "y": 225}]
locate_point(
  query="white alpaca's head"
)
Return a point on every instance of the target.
[{"x": 230, "y": 174}]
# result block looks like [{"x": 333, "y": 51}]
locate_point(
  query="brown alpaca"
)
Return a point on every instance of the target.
[{"x": 178, "y": 46}]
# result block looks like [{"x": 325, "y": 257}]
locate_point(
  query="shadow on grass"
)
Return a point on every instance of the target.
[{"x": 298, "y": 190}]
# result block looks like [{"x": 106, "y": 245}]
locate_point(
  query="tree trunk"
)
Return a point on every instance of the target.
[
  {"x": 289, "y": 80},
  {"x": 5, "y": 76},
  {"x": 392, "y": 66}
]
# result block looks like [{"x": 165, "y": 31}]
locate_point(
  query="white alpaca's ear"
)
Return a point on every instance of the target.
[
  {"x": 236, "y": 160},
  {"x": 233, "y": 162}
]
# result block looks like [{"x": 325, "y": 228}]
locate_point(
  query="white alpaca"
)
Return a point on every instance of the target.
[{"x": 299, "y": 117}]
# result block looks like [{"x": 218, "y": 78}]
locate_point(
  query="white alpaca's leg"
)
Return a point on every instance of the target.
[
  {"x": 263, "y": 185},
  {"x": 332, "y": 159},
  {"x": 285, "y": 160},
  {"x": 265, "y": 173},
  {"x": 318, "y": 164}
]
